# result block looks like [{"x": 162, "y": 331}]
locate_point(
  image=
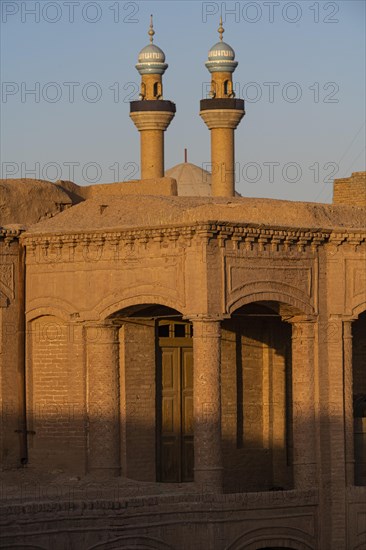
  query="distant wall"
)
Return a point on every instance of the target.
[
  {"x": 350, "y": 191},
  {"x": 159, "y": 186}
]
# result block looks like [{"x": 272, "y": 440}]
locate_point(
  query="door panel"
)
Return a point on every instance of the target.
[
  {"x": 176, "y": 410},
  {"x": 187, "y": 414},
  {"x": 170, "y": 414},
  {"x": 170, "y": 460}
]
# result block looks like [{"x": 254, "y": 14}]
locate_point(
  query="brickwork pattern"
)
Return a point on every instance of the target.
[
  {"x": 138, "y": 369},
  {"x": 11, "y": 349},
  {"x": 207, "y": 403},
  {"x": 103, "y": 399},
  {"x": 304, "y": 452},
  {"x": 351, "y": 191},
  {"x": 56, "y": 418}
]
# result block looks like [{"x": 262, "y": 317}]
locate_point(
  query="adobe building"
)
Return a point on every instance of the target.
[{"x": 182, "y": 372}]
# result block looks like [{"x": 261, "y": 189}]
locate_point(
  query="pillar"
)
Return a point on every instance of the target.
[
  {"x": 222, "y": 117},
  {"x": 332, "y": 484},
  {"x": 304, "y": 439},
  {"x": 348, "y": 401},
  {"x": 207, "y": 404},
  {"x": 152, "y": 154},
  {"x": 102, "y": 349},
  {"x": 223, "y": 162}
]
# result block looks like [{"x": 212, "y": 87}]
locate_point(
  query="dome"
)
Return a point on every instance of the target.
[
  {"x": 151, "y": 53},
  {"x": 221, "y": 51},
  {"x": 192, "y": 181},
  {"x": 151, "y": 60},
  {"x": 221, "y": 57}
]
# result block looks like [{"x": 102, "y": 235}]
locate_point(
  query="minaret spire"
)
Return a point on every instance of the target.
[
  {"x": 152, "y": 114},
  {"x": 222, "y": 114},
  {"x": 151, "y": 30},
  {"x": 221, "y": 29}
]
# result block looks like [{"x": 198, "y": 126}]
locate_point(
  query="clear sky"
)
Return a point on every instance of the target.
[{"x": 301, "y": 71}]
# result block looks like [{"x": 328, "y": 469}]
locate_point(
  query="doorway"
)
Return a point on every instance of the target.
[{"x": 175, "y": 402}]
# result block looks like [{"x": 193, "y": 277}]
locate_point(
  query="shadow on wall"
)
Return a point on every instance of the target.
[
  {"x": 359, "y": 397},
  {"x": 114, "y": 428},
  {"x": 139, "y": 417}
]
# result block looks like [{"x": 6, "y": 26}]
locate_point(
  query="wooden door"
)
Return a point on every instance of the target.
[{"x": 175, "y": 410}]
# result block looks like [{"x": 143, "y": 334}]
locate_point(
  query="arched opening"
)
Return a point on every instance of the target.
[
  {"x": 143, "y": 90},
  {"x": 213, "y": 89},
  {"x": 256, "y": 399},
  {"x": 156, "y": 377},
  {"x": 359, "y": 396},
  {"x": 226, "y": 88},
  {"x": 157, "y": 90}
]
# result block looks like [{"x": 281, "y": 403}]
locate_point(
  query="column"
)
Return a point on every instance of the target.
[
  {"x": 223, "y": 162},
  {"x": 207, "y": 404},
  {"x": 152, "y": 154},
  {"x": 102, "y": 350},
  {"x": 222, "y": 117},
  {"x": 348, "y": 401},
  {"x": 303, "y": 404},
  {"x": 333, "y": 475}
]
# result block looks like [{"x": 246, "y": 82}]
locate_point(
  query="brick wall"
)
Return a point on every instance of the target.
[
  {"x": 137, "y": 364},
  {"x": 350, "y": 191},
  {"x": 56, "y": 396},
  {"x": 11, "y": 335}
]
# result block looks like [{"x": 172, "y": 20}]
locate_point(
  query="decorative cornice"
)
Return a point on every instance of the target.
[
  {"x": 245, "y": 236},
  {"x": 10, "y": 234}
]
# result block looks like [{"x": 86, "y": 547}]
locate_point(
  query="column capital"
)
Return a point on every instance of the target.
[
  {"x": 154, "y": 120},
  {"x": 206, "y": 326},
  {"x": 222, "y": 118},
  {"x": 301, "y": 319},
  {"x": 108, "y": 323},
  {"x": 206, "y": 317},
  {"x": 100, "y": 332},
  {"x": 347, "y": 329}
]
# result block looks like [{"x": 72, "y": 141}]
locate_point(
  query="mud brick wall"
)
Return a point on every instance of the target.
[
  {"x": 56, "y": 395},
  {"x": 351, "y": 191},
  {"x": 138, "y": 409},
  {"x": 11, "y": 351}
]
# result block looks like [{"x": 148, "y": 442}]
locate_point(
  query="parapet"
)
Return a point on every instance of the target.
[
  {"x": 351, "y": 191},
  {"x": 156, "y": 186}
]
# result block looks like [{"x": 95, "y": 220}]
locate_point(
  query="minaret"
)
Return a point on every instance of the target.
[
  {"x": 151, "y": 114},
  {"x": 222, "y": 114}
]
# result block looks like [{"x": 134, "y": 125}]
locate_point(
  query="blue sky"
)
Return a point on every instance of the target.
[{"x": 301, "y": 71}]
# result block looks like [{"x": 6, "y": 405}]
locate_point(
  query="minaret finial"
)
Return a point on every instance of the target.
[
  {"x": 151, "y": 30},
  {"x": 221, "y": 29}
]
